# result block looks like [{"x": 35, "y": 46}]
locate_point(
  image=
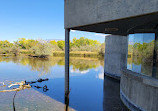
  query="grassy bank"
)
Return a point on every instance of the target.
[
  {"x": 77, "y": 54},
  {"x": 62, "y": 53}
]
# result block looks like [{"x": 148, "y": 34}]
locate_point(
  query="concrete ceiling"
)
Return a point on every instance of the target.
[{"x": 140, "y": 24}]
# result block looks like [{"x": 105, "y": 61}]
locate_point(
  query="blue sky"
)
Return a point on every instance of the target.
[
  {"x": 141, "y": 38},
  {"x": 34, "y": 19}
]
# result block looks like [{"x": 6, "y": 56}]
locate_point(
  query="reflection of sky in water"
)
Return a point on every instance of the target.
[
  {"x": 89, "y": 89},
  {"x": 12, "y": 71},
  {"x": 78, "y": 71},
  {"x": 86, "y": 85}
]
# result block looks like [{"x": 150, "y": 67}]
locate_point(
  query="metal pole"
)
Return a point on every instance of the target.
[
  {"x": 67, "y": 37},
  {"x": 104, "y": 56}
]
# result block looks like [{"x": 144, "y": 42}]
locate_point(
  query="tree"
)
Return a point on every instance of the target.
[
  {"x": 22, "y": 43},
  {"x": 53, "y": 42},
  {"x": 15, "y": 50},
  {"x": 42, "y": 49},
  {"x": 61, "y": 44},
  {"x": 5, "y": 44}
]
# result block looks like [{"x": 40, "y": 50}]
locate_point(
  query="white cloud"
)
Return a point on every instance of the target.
[
  {"x": 102, "y": 35},
  {"x": 73, "y": 30}
]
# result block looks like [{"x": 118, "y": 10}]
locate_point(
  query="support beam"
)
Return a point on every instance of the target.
[
  {"x": 115, "y": 58},
  {"x": 67, "y": 37}
]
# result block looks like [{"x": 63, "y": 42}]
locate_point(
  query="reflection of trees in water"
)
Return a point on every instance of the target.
[
  {"x": 43, "y": 65},
  {"x": 8, "y": 59},
  {"x": 101, "y": 62},
  {"x": 146, "y": 67},
  {"x": 61, "y": 62},
  {"x": 84, "y": 64}
]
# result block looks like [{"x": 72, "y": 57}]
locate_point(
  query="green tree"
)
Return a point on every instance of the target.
[
  {"x": 15, "y": 50},
  {"x": 42, "y": 49},
  {"x": 61, "y": 44},
  {"x": 53, "y": 42}
]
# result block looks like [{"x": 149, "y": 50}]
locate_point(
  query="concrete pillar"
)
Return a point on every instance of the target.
[
  {"x": 67, "y": 37},
  {"x": 116, "y": 49}
]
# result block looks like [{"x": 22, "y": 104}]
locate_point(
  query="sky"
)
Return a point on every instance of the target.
[
  {"x": 36, "y": 19},
  {"x": 141, "y": 38}
]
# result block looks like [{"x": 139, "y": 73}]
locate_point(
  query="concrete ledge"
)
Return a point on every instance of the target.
[
  {"x": 128, "y": 103},
  {"x": 115, "y": 76},
  {"x": 139, "y": 92},
  {"x": 147, "y": 80}
]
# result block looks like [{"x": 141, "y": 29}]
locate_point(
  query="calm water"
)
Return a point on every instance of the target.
[{"x": 89, "y": 91}]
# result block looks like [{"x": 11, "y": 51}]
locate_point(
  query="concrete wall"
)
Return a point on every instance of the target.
[
  {"x": 85, "y": 12},
  {"x": 115, "y": 55},
  {"x": 139, "y": 92}
]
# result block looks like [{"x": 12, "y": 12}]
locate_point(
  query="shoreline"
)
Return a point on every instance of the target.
[{"x": 59, "y": 54}]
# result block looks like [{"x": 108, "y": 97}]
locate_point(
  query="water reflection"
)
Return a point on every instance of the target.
[
  {"x": 84, "y": 89},
  {"x": 112, "y": 101},
  {"x": 111, "y": 96},
  {"x": 43, "y": 66}
]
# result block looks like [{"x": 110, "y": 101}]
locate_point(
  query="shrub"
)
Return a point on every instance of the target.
[
  {"x": 15, "y": 50},
  {"x": 42, "y": 49}
]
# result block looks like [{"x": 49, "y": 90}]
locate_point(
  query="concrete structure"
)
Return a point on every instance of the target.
[
  {"x": 139, "y": 93},
  {"x": 119, "y": 18},
  {"x": 115, "y": 55}
]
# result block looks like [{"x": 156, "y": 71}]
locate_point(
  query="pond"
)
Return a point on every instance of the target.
[{"x": 89, "y": 90}]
